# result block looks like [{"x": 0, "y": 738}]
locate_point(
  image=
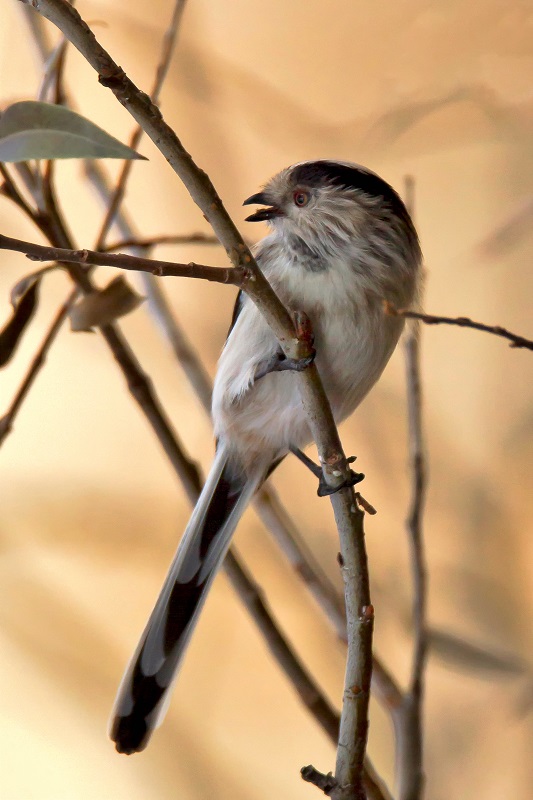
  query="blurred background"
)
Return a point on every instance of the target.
[{"x": 90, "y": 510}]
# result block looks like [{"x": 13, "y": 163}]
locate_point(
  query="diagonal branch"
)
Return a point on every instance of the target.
[{"x": 349, "y": 518}]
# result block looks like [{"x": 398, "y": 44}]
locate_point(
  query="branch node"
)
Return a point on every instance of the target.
[
  {"x": 325, "y": 782},
  {"x": 112, "y": 77}
]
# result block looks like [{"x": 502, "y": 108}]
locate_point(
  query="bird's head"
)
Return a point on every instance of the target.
[{"x": 331, "y": 201}]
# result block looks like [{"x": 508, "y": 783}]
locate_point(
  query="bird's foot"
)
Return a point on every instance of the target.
[
  {"x": 324, "y": 489},
  {"x": 280, "y": 363}
]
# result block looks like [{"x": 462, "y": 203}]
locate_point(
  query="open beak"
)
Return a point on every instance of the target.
[{"x": 262, "y": 214}]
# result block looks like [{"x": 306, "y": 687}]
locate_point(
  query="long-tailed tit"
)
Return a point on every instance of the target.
[{"x": 342, "y": 242}]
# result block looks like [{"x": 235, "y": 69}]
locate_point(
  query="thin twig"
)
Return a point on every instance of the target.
[
  {"x": 463, "y": 322},
  {"x": 57, "y": 71},
  {"x": 144, "y": 244},
  {"x": 37, "y": 252},
  {"x": 169, "y": 42},
  {"x": 409, "y": 725},
  {"x": 33, "y": 183},
  {"x": 326, "y": 782},
  {"x": 52, "y": 73},
  {"x": 6, "y": 422}
]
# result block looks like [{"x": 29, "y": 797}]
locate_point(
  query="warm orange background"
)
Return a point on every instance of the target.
[{"x": 90, "y": 511}]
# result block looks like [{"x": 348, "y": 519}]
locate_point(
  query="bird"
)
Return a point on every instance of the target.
[{"x": 341, "y": 244}]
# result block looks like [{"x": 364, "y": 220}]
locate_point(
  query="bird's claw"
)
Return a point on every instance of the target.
[
  {"x": 280, "y": 363},
  {"x": 324, "y": 489}
]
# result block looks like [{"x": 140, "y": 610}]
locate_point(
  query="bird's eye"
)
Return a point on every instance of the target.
[{"x": 300, "y": 199}]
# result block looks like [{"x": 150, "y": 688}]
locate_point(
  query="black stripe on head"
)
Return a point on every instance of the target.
[{"x": 316, "y": 173}]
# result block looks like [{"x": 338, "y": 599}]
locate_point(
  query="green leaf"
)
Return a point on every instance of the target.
[
  {"x": 101, "y": 308},
  {"x": 33, "y": 130}
]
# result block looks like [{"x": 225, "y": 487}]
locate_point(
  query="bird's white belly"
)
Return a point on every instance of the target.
[{"x": 263, "y": 419}]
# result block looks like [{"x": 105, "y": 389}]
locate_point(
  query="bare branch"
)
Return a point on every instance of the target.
[
  {"x": 463, "y": 322},
  {"x": 37, "y": 252},
  {"x": 53, "y": 73},
  {"x": 169, "y": 43}
]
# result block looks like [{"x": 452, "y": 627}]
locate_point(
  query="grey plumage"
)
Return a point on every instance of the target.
[{"x": 342, "y": 242}]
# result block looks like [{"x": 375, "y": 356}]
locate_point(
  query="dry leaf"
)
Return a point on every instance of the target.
[{"x": 103, "y": 307}]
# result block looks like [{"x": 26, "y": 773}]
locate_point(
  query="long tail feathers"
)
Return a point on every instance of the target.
[{"x": 145, "y": 689}]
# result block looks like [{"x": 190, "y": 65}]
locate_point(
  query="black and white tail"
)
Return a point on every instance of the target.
[{"x": 143, "y": 694}]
